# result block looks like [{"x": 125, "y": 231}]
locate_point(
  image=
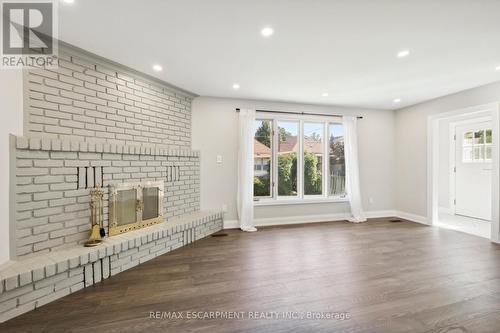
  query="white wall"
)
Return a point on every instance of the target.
[
  {"x": 444, "y": 164},
  {"x": 11, "y": 122},
  {"x": 215, "y": 133},
  {"x": 411, "y": 143}
]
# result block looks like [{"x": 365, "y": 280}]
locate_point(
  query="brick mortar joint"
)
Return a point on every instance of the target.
[{"x": 50, "y": 144}]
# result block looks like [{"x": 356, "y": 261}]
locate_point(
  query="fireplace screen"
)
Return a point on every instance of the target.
[{"x": 134, "y": 206}]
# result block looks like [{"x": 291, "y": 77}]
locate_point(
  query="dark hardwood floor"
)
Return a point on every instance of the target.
[{"x": 388, "y": 277}]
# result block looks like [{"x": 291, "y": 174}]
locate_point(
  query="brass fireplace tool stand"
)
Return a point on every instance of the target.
[{"x": 96, "y": 217}]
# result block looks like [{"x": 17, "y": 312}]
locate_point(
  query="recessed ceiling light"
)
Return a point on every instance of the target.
[
  {"x": 497, "y": 68},
  {"x": 325, "y": 94},
  {"x": 403, "y": 53},
  {"x": 267, "y": 31},
  {"x": 397, "y": 100},
  {"x": 69, "y": 1},
  {"x": 236, "y": 86},
  {"x": 157, "y": 68}
]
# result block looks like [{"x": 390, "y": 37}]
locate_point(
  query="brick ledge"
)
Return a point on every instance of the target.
[
  {"x": 16, "y": 274},
  {"x": 48, "y": 144}
]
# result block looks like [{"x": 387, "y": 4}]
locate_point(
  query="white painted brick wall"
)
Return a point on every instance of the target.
[{"x": 96, "y": 103}]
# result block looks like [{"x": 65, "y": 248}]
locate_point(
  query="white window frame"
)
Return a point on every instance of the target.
[
  {"x": 473, "y": 145},
  {"x": 274, "y": 199}
]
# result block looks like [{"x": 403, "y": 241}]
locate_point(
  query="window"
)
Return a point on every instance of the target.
[
  {"x": 487, "y": 146},
  {"x": 313, "y": 158},
  {"x": 476, "y": 146},
  {"x": 288, "y": 148},
  {"x": 262, "y": 181},
  {"x": 336, "y": 167},
  {"x": 297, "y": 159}
]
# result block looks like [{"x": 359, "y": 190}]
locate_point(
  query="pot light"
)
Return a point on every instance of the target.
[
  {"x": 267, "y": 31},
  {"x": 157, "y": 68},
  {"x": 69, "y": 1},
  {"x": 236, "y": 86},
  {"x": 497, "y": 68},
  {"x": 397, "y": 100},
  {"x": 403, "y": 53},
  {"x": 325, "y": 94}
]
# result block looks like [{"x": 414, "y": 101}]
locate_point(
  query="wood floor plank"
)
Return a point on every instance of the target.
[{"x": 389, "y": 277}]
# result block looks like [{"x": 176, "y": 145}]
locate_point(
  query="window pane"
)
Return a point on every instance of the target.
[
  {"x": 467, "y": 138},
  {"x": 336, "y": 181},
  {"x": 262, "y": 158},
  {"x": 478, "y": 153},
  {"x": 479, "y": 137},
  {"x": 288, "y": 133},
  {"x": 488, "y": 136},
  {"x": 313, "y": 158},
  {"x": 488, "y": 153}
]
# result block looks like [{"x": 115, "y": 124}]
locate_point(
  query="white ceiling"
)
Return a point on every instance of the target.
[{"x": 346, "y": 48}]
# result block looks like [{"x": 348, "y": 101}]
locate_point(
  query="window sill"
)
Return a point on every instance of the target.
[{"x": 279, "y": 202}]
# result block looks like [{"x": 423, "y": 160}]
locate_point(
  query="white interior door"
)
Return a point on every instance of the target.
[{"x": 473, "y": 170}]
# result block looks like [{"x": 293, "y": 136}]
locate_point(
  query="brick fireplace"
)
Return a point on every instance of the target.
[
  {"x": 52, "y": 213},
  {"x": 94, "y": 122}
]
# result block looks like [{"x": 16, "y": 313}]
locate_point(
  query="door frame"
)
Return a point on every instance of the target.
[
  {"x": 453, "y": 149},
  {"x": 433, "y": 162}
]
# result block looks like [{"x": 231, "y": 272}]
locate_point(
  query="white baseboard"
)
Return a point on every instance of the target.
[
  {"x": 234, "y": 224},
  {"x": 412, "y": 217},
  {"x": 300, "y": 219},
  {"x": 262, "y": 222}
]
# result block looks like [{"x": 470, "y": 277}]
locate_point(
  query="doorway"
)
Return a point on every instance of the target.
[
  {"x": 463, "y": 182},
  {"x": 472, "y": 169}
]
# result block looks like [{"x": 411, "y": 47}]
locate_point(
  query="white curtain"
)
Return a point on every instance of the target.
[
  {"x": 245, "y": 170},
  {"x": 352, "y": 169}
]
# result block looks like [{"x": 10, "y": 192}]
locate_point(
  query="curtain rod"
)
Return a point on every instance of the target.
[{"x": 303, "y": 113}]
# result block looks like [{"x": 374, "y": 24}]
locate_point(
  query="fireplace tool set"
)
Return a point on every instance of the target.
[{"x": 97, "y": 231}]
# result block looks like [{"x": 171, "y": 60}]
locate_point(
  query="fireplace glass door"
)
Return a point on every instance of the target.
[
  {"x": 126, "y": 207},
  {"x": 134, "y": 206},
  {"x": 150, "y": 199}
]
